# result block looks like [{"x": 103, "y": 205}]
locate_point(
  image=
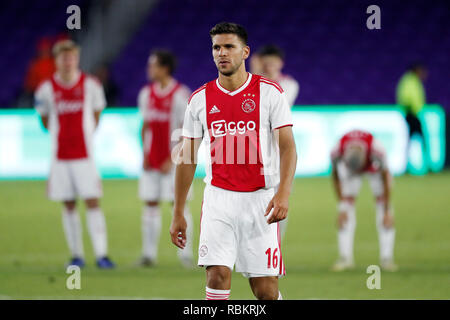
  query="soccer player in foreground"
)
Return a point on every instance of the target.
[
  {"x": 245, "y": 123},
  {"x": 357, "y": 154},
  {"x": 70, "y": 104},
  {"x": 162, "y": 104}
]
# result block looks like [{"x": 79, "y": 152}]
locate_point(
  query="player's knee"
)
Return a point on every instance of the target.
[
  {"x": 91, "y": 203},
  {"x": 266, "y": 294},
  {"x": 217, "y": 277},
  {"x": 70, "y": 205},
  {"x": 152, "y": 203}
]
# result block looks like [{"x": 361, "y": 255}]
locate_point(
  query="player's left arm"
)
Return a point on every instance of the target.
[
  {"x": 288, "y": 163},
  {"x": 388, "y": 219},
  {"x": 98, "y": 99},
  {"x": 379, "y": 155}
]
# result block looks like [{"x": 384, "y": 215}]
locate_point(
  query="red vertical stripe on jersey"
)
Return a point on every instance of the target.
[
  {"x": 69, "y": 104},
  {"x": 233, "y": 127},
  {"x": 160, "y": 109}
]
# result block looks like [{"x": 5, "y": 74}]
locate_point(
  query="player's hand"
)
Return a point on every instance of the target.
[
  {"x": 166, "y": 166},
  {"x": 342, "y": 219},
  {"x": 388, "y": 220},
  {"x": 146, "y": 164},
  {"x": 279, "y": 206},
  {"x": 178, "y": 231}
]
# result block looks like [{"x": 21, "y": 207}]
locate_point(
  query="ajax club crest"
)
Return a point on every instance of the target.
[{"x": 248, "y": 105}]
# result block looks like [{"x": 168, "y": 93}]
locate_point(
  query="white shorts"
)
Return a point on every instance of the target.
[
  {"x": 234, "y": 231},
  {"x": 156, "y": 186},
  {"x": 351, "y": 182},
  {"x": 70, "y": 179}
]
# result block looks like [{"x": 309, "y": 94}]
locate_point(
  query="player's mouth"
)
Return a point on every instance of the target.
[{"x": 223, "y": 63}]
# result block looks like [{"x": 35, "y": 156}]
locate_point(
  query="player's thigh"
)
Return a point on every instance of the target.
[
  {"x": 86, "y": 179},
  {"x": 168, "y": 187},
  {"x": 217, "y": 244},
  {"x": 259, "y": 248},
  {"x": 350, "y": 183},
  {"x": 377, "y": 184},
  {"x": 60, "y": 184},
  {"x": 150, "y": 186}
]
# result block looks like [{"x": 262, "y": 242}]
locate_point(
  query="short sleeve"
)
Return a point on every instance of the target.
[
  {"x": 291, "y": 91},
  {"x": 98, "y": 95},
  {"x": 280, "y": 111},
  {"x": 181, "y": 101},
  {"x": 192, "y": 127},
  {"x": 43, "y": 99},
  {"x": 142, "y": 100}
]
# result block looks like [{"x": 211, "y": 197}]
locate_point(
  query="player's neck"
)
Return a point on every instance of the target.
[
  {"x": 274, "y": 76},
  {"x": 68, "y": 77},
  {"x": 164, "y": 82},
  {"x": 235, "y": 81}
]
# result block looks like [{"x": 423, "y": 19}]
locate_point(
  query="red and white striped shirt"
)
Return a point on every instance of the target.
[
  {"x": 237, "y": 128},
  {"x": 70, "y": 108}
]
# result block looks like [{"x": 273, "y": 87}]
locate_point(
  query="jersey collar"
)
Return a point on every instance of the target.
[{"x": 232, "y": 93}]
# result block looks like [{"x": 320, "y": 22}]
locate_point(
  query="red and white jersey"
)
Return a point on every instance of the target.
[
  {"x": 70, "y": 109},
  {"x": 237, "y": 128},
  {"x": 290, "y": 87},
  {"x": 163, "y": 111},
  {"x": 375, "y": 153}
]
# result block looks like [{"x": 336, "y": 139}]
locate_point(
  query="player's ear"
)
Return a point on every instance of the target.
[{"x": 246, "y": 52}]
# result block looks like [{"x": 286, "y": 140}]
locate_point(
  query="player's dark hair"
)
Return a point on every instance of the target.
[
  {"x": 230, "y": 28},
  {"x": 166, "y": 59},
  {"x": 271, "y": 50},
  {"x": 416, "y": 65}
]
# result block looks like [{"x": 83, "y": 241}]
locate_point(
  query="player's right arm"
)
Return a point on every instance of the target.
[
  {"x": 334, "y": 173},
  {"x": 142, "y": 105},
  {"x": 43, "y": 101},
  {"x": 184, "y": 173}
]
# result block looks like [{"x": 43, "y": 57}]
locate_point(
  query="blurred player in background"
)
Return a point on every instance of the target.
[
  {"x": 246, "y": 194},
  {"x": 411, "y": 97},
  {"x": 70, "y": 104},
  {"x": 162, "y": 104},
  {"x": 255, "y": 64},
  {"x": 357, "y": 154},
  {"x": 270, "y": 61}
]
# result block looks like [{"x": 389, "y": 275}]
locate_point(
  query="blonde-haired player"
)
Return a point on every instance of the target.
[
  {"x": 356, "y": 154},
  {"x": 70, "y": 104}
]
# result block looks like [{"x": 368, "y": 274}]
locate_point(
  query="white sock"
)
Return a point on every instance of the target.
[
  {"x": 346, "y": 235},
  {"x": 283, "y": 227},
  {"x": 386, "y": 237},
  {"x": 151, "y": 229},
  {"x": 97, "y": 231},
  {"x": 216, "y": 294},
  {"x": 280, "y": 297},
  {"x": 187, "y": 252},
  {"x": 73, "y": 232}
]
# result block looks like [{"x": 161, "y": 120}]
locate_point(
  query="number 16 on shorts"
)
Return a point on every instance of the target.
[{"x": 272, "y": 258}]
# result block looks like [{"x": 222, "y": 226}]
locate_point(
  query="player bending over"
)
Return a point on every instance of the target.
[
  {"x": 357, "y": 154},
  {"x": 245, "y": 123},
  {"x": 162, "y": 104},
  {"x": 70, "y": 104}
]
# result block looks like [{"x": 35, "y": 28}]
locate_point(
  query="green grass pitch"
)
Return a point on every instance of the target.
[{"x": 33, "y": 249}]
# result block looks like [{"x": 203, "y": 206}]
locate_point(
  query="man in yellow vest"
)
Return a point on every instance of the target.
[{"x": 411, "y": 97}]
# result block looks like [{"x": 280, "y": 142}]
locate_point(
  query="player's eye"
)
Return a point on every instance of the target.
[{"x": 216, "y": 47}]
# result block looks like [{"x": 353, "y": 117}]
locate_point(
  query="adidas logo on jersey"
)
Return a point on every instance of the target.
[{"x": 214, "y": 110}]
